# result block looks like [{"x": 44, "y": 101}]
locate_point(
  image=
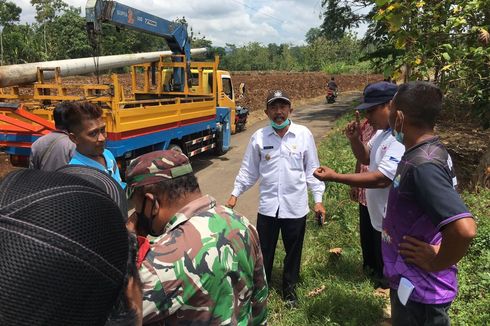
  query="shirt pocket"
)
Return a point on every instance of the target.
[{"x": 296, "y": 161}]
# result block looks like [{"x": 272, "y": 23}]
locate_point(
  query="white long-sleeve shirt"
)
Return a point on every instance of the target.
[{"x": 285, "y": 168}]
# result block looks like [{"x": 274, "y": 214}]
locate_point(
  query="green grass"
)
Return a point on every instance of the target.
[
  {"x": 348, "y": 297},
  {"x": 335, "y": 68}
]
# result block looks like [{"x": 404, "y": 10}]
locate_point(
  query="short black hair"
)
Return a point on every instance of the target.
[
  {"x": 76, "y": 112},
  {"x": 58, "y": 115},
  {"x": 420, "y": 101},
  {"x": 173, "y": 189}
]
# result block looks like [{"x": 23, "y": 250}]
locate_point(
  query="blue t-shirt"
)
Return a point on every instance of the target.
[
  {"x": 422, "y": 201},
  {"x": 111, "y": 169}
]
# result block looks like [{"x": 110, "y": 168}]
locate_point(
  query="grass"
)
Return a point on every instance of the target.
[
  {"x": 335, "y": 68},
  {"x": 348, "y": 296}
]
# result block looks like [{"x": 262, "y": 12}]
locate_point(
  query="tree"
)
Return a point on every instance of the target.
[
  {"x": 9, "y": 13},
  {"x": 46, "y": 12},
  {"x": 444, "y": 41},
  {"x": 337, "y": 19},
  {"x": 312, "y": 34},
  {"x": 69, "y": 36}
]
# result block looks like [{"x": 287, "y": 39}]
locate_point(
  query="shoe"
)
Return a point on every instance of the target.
[{"x": 290, "y": 298}]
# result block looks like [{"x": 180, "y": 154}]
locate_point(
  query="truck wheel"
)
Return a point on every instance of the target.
[{"x": 218, "y": 150}]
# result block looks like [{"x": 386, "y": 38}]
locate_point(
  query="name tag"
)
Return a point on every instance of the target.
[{"x": 268, "y": 147}]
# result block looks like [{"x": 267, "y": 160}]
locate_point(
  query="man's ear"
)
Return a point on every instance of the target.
[
  {"x": 401, "y": 117},
  {"x": 73, "y": 138},
  {"x": 155, "y": 204}
]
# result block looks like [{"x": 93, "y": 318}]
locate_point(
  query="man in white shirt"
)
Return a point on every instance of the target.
[
  {"x": 382, "y": 154},
  {"x": 283, "y": 156}
]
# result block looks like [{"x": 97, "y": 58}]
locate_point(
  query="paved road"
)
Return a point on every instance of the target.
[{"x": 216, "y": 175}]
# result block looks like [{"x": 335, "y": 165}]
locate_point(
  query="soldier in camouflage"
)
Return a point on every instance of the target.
[{"x": 203, "y": 264}]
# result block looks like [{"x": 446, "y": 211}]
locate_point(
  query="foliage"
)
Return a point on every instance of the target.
[
  {"x": 338, "y": 18},
  {"x": 471, "y": 305},
  {"x": 9, "y": 13},
  {"x": 444, "y": 41},
  {"x": 340, "y": 56},
  {"x": 324, "y": 51},
  {"x": 312, "y": 34}
]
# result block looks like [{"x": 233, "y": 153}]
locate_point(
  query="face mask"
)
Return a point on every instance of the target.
[
  {"x": 398, "y": 135},
  {"x": 144, "y": 223},
  {"x": 281, "y": 126}
]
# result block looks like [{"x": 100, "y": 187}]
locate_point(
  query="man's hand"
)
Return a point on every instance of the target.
[
  {"x": 354, "y": 194},
  {"x": 418, "y": 253},
  {"x": 324, "y": 173},
  {"x": 231, "y": 202},
  {"x": 320, "y": 209},
  {"x": 353, "y": 129}
]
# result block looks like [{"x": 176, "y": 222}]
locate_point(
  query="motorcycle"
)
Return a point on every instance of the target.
[
  {"x": 331, "y": 95},
  {"x": 241, "y": 115}
]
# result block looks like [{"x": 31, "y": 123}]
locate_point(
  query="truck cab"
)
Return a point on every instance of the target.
[{"x": 225, "y": 95}]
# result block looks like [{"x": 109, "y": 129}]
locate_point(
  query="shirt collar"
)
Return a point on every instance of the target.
[
  {"x": 90, "y": 162},
  {"x": 292, "y": 128},
  {"x": 193, "y": 208}
]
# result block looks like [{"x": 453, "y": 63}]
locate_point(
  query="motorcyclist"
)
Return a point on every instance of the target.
[
  {"x": 332, "y": 89},
  {"x": 332, "y": 85}
]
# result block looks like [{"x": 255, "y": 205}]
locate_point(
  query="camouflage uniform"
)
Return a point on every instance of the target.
[{"x": 206, "y": 268}]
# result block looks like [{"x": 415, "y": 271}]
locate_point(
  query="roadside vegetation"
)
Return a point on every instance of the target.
[{"x": 334, "y": 290}]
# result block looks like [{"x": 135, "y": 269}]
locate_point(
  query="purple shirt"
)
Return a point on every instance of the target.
[{"x": 421, "y": 202}]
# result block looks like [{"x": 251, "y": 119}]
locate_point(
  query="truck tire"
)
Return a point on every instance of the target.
[{"x": 219, "y": 149}]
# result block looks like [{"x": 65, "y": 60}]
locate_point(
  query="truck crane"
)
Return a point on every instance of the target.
[
  {"x": 198, "y": 116},
  {"x": 175, "y": 34}
]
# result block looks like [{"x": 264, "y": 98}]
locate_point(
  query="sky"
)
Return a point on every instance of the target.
[{"x": 236, "y": 22}]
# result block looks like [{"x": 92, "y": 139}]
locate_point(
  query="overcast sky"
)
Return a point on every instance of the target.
[{"x": 229, "y": 21}]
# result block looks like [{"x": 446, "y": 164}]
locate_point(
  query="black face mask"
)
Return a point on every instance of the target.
[{"x": 144, "y": 223}]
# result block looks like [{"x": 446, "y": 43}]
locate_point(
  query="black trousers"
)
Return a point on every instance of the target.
[
  {"x": 418, "y": 314},
  {"x": 370, "y": 244},
  {"x": 293, "y": 233}
]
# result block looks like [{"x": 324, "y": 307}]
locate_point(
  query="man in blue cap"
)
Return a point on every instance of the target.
[{"x": 382, "y": 154}]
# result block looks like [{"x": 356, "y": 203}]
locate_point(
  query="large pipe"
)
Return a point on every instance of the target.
[{"x": 27, "y": 73}]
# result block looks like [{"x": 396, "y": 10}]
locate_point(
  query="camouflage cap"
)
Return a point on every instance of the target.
[{"x": 155, "y": 167}]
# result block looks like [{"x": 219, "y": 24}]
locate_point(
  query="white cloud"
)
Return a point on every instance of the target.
[{"x": 228, "y": 21}]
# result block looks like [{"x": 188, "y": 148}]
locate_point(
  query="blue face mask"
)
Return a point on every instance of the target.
[{"x": 281, "y": 126}]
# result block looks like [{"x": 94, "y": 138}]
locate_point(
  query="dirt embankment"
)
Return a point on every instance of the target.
[{"x": 299, "y": 85}]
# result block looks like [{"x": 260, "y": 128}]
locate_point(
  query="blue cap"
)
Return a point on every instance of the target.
[{"x": 377, "y": 93}]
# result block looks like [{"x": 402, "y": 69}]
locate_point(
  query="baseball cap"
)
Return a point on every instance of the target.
[
  {"x": 277, "y": 95},
  {"x": 156, "y": 167},
  {"x": 377, "y": 93},
  {"x": 101, "y": 180}
]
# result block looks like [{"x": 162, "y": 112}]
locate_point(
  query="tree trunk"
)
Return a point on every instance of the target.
[
  {"x": 45, "y": 41},
  {"x": 1, "y": 48}
]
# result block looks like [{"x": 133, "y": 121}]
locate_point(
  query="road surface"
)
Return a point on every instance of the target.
[{"x": 216, "y": 175}]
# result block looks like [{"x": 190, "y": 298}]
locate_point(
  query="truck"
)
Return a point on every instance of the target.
[{"x": 173, "y": 101}]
